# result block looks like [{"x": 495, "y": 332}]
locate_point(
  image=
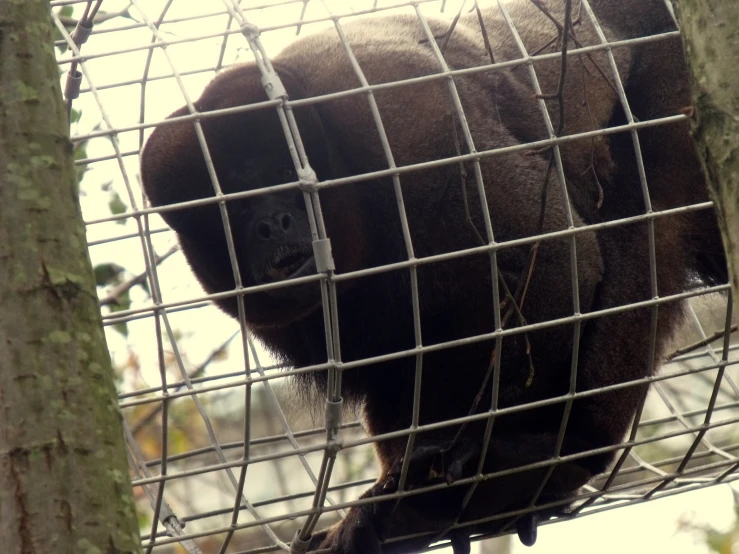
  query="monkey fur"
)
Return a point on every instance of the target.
[{"x": 272, "y": 240}]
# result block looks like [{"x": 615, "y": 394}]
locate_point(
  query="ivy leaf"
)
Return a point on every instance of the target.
[
  {"x": 118, "y": 206},
  {"x": 107, "y": 274},
  {"x": 123, "y": 303}
]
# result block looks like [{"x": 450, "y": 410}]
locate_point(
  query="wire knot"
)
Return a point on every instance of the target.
[
  {"x": 307, "y": 179},
  {"x": 250, "y": 31}
]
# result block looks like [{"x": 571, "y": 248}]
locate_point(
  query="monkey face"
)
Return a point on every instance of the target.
[
  {"x": 271, "y": 231},
  {"x": 272, "y": 242}
]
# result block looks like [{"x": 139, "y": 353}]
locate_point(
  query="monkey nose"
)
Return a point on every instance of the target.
[{"x": 275, "y": 226}]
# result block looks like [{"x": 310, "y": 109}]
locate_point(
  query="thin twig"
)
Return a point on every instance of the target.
[
  {"x": 484, "y": 31},
  {"x": 145, "y": 420},
  {"x": 703, "y": 342},
  {"x": 115, "y": 295}
]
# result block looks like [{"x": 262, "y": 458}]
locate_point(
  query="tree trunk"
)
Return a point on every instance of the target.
[
  {"x": 711, "y": 36},
  {"x": 64, "y": 484}
]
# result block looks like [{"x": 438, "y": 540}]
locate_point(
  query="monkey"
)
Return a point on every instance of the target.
[{"x": 559, "y": 366}]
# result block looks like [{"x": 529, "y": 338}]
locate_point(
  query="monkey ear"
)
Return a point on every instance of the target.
[
  {"x": 163, "y": 162},
  {"x": 173, "y": 170}
]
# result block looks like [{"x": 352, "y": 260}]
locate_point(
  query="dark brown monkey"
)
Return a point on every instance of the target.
[{"x": 273, "y": 243}]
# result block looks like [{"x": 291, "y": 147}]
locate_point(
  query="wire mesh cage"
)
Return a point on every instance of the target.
[{"x": 503, "y": 239}]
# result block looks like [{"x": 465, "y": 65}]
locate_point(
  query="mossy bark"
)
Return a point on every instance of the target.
[
  {"x": 711, "y": 35},
  {"x": 64, "y": 484}
]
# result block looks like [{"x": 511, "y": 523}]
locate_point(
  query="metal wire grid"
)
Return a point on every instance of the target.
[{"x": 707, "y": 453}]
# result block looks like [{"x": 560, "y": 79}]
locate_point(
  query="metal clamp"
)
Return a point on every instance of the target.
[
  {"x": 299, "y": 546},
  {"x": 323, "y": 256}
]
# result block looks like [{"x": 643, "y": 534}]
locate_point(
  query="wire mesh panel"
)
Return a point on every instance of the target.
[{"x": 473, "y": 277}]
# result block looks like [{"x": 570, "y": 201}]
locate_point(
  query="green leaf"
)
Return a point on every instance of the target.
[
  {"x": 75, "y": 115},
  {"x": 118, "y": 206},
  {"x": 80, "y": 152},
  {"x": 107, "y": 274},
  {"x": 123, "y": 303},
  {"x": 122, "y": 328}
]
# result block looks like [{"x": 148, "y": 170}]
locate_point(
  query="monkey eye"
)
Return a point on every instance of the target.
[{"x": 286, "y": 175}]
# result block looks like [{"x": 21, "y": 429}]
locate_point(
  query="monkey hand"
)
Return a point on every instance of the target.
[
  {"x": 431, "y": 461},
  {"x": 363, "y": 528}
]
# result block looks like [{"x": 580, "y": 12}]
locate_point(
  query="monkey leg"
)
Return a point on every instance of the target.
[
  {"x": 449, "y": 460},
  {"x": 367, "y": 526},
  {"x": 497, "y": 495}
]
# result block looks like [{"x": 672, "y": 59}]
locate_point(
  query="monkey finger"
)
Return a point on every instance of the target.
[
  {"x": 462, "y": 452},
  {"x": 526, "y": 528},
  {"x": 460, "y": 542}
]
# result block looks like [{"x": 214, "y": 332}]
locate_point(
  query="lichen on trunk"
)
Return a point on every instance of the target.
[
  {"x": 64, "y": 484},
  {"x": 711, "y": 36}
]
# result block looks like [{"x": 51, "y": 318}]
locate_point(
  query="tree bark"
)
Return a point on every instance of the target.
[
  {"x": 711, "y": 37},
  {"x": 64, "y": 483}
]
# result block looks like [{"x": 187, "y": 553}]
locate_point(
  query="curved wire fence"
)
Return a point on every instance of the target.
[{"x": 223, "y": 457}]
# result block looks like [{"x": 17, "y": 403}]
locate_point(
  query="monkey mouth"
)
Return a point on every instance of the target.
[{"x": 291, "y": 261}]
